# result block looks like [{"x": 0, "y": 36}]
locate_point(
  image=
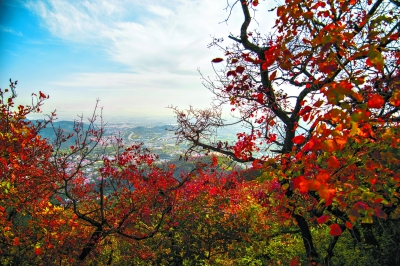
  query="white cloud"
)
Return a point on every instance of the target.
[
  {"x": 163, "y": 44},
  {"x": 161, "y": 11},
  {"x": 5, "y": 29},
  {"x": 164, "y": 36}
]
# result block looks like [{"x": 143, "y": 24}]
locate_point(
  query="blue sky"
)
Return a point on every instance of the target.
[{"x": 137, "y": 57}]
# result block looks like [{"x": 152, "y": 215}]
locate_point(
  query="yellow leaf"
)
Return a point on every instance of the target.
[{"x": 354, "y": 128}]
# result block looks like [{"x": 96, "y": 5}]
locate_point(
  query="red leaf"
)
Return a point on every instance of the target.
[
  {"x": 217, "y": 60},
  {"x": 280, "y": 10},
  {"x": 295, "y": 261},
  {"x": 249, "y": 59},
  {"x": 231, "y": 73},
  {"x": 318, "y": 103},
  {"x": 376, "y": 101},
  {"x": 301, "y": 183},
  {"x": 335, "y": 230},
  {"x": 264, "y": 66},
  {"x": 214, "y": 160},
  {"x": 213, "y": 191},
  {"x": 380, "y": 214},
  {"x": 333, "y": 162},
  {"x": 368, "y": 62},
  {"x": 327, "y": 67},
  {"x": 273, "y": 75},
  {"x": 240, "y": 69},
  {"x": 38, "y": 251},
  {"x": 16, "y": 241},
  {"x": 260, "y": 98},
  {"x": 305, "y": 110},
  {"x": 394, "y": 36},
  {"x": 323, "y": 219},
  {"x": 349, "y": 226},
  {"x": 298, "y": 140},
  {"x": 312, "y": 144}
]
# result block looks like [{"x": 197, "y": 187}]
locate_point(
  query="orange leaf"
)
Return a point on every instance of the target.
[
  {"x": 313, "y": 185},
  {"x": 376, "y": 101},
  {"x": 335, "y": 230},
  {"x": 300, "y": 183},
  {"x": 329, "y": 145},
  {"x": 318, "y": 103},
  {"x": 280, "y": 10},
  {"x": 340, "y": 142},
  {"x": 322, "y": 176},
  {"x": 326, "y": 194},
  {"x": 15, "y": 241},
  {"x": 395, "y": 99},
  {"x": 349, "y": 226}
]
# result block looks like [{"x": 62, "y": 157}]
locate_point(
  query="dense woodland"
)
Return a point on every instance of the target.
[{"x": 319, "y": 97}]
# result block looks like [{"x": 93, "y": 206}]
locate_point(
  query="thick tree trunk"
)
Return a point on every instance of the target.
[
  {"x": 90, "y": 245},
  {"x": 307, "y": 238}
]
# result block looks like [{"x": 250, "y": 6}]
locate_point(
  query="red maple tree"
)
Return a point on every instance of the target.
[{"x": 319, "y": 98}]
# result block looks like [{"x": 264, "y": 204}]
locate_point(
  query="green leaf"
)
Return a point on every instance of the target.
[
  {"x": 376, "y": 59},
  {"x": 367, "y": 220}
]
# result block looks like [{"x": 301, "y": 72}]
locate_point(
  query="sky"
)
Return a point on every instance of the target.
[{"x": 138, "y": 57}]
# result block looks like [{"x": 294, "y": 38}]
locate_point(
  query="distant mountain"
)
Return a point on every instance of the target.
[
  {"x": 156, "y": 129},
  {"x": 68, "y": 128}
]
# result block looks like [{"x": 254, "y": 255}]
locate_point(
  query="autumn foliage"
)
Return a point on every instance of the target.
[
  {"x": 53, "y": 210},
  {"x": 318, "y": 97}
]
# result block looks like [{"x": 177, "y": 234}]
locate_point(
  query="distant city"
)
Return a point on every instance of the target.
[{"x": 156, "y": 134}]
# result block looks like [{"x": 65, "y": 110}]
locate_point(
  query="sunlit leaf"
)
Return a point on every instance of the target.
[
  {"x": 299, "y": 140},
  {"x": 376, "y": 101}
]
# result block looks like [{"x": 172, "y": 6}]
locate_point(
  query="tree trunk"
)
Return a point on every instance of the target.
[
  {"x": 307, "y": 238},
  {"x": 90, "y": 245}
]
